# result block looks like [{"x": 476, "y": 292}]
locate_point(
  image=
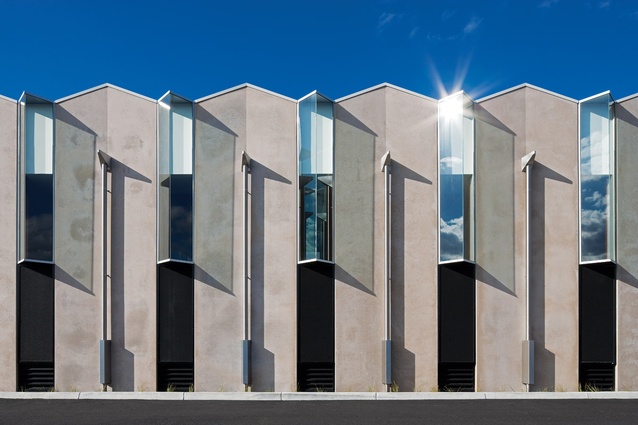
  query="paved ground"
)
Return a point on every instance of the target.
[{"x": 402, "y": 412}]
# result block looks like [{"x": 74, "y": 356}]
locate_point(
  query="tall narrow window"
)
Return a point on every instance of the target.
[
  {"x": 456, "y": 178},
  {"x": 35, "y": 288},
  {"x": 456, "y": 271},
  {"x": 597, "y": 271},
  {"x": 315, "y": 178},
  {"x": 315, "y": 271},
  {"x": 175, "y": 286},
  {"x": 36, "y": 180},
  {"x": 175, "y": 203},
  {"x": 597, "y": 212}
]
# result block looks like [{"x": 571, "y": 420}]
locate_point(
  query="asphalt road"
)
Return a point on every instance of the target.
[{"x": 564, "y": 412}]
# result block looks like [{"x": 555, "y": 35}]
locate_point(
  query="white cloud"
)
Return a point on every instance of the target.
[
  {"x": 447, "y": 14},
  {"x": 472, "y": 25},
  {"x": 384, "y": 20},
  {"x": 413, "y": 32},
  {"x": 604, "y": 4},
  {"x": 453, "y": 163},
  {"x": 547, "y": 3},
  {"x": 452, "y": 239},
  {"x": 594, "y": 234},
  {"x": 598, "y": 200}
]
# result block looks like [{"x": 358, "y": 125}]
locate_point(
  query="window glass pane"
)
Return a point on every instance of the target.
[
  {"x": 596, "y": 178},
  {"x": 35, "y": 238},
  {"x": 39, "y": 217},
  {"x": 315, "y": 177},
  {"x": 456, "y": 184},
  {"x": 175, "y": 177},
  {"x": 182, "y": 217}
]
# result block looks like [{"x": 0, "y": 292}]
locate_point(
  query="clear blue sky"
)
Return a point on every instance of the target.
[{"x": 195, "y": 48}]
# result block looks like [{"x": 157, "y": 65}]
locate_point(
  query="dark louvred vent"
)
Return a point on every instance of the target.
[
  {"x": 316, "y": 377},
  {"x": 597, "y": 376},
  {"x": 457, "y": 377},
  {"x": 36, "y": 376},
  {"x": 175, "y": 377}
]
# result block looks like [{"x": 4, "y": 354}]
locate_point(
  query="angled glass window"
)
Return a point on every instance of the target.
[
  {"x": 175, "y": 177},
  {"x": 597, "y": 186},
  {"x": 35, "y": 185},
  {"x": 456, "y": 178},
  {"x": 316, "y": 172}
]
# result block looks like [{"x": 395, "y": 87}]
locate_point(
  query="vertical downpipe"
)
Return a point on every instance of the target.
[
  {"x": 386, "y": 162},
  {"x": 246, "y": 343},
  {"x": 105, "y": 343},
  {"x": 528, "y": 345}
]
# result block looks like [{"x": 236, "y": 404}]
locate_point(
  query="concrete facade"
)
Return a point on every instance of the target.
[{"x": 367, "y": 124}]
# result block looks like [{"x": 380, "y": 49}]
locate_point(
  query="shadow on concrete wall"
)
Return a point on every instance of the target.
[
  {"x": 214, "y": 207},
  {"x": 545, "y": 360},
  {"x": 354, "y": 170},
  {"x": 496, "y": 166},
  {"x": 263, "y": 359},
  {"x": 123, "y": 372},
  {"x": 403, "y": 360},
  {"x": 75, "y": 152}
]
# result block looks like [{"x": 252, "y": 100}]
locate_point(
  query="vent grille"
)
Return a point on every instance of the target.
[
  {"x": 456, "y": 377},
  {"x": 318, "y": 377},
  {"x": 175, "y": 377},
  {"x": 36, "y": 376},
  {"x": 597, "y": 376}
]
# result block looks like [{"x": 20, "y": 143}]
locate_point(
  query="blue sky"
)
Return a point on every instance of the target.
[{"x": 195, "y": 48}]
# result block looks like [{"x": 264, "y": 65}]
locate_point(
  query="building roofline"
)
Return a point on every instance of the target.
[
  {"x": 102, "y": 86},
  {"x": 317, "y": 93},
  {"x": 529, "y": 86},
  {"x": 384, "y": 85},
  {"x": 8, "y": 99},
  {"x": 172, "y": 93},
  {"x": 626, "y": 98},
  {"x": 243, "y": 86},
  {"x": 606, "y": 92}
]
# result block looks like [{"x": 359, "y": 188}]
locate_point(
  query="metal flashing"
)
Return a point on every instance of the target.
[
  {"x": 33, "y": 98},
  {"x": 526, "y": 85},
  {"x": 607, "y": 92},
  {"x": 102, "y": 86},
  {"x": 626, "y": 98},
  {"x": 318, "y": 94},
  {"x": 243, "y": 86},
  {"x": 8, "y": 99},
  {"x": 384, "y": 85}
]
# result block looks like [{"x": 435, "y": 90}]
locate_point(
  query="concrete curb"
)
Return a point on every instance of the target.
[{"x": 294, "y": 396}]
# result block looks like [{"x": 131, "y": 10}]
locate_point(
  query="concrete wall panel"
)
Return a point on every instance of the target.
[
  {"x": 220, "y": 136},
  {"x": 81, "y": 126},
  {"x": 271, "y": 139},
  {"x": 359, "y": 146},
  {"x": 8, "y": 155},
  {"x": 500, "y": 223},
  {"x": 551, "y": 130},
  {"x": 411, "y": 137},
  {"x": 131, "y": 142},
  {"x": 627, "y": 245}
]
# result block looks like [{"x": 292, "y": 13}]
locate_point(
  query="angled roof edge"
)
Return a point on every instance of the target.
[
  {"x": 626, "y": 98},
  {"x": 8, "y": 99},
  {"x": 102, "y": 86},
  {"x": 239, "y": 87},
  {"x": 526, "y": 85},
  {"x": 318, "y": 93},
  {"x": 382, "y": 85},
  {"x": 172, "y": 93}
]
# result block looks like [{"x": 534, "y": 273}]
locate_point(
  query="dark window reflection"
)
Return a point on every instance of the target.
[
  {"x": 39, "y": 217},
  {"x": 181, "y": 217}
]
